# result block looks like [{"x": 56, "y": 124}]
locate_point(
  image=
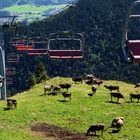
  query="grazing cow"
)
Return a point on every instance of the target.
[
  {"x": 112, "y": 88},
  {"x": 95, "y": 127},
  {"x": 10, "y": 103},
  {"x": 77, "y": 79},
  {"x": 94, "y": 89},
  {"x": 117, "y": 123},
  {"x": 65, "y": 86},
  {"x": 97, "y": 81},
  {"x": 116, "y": 95},
  {"x": 47, "y": 88},
  {"x": 90, "y": 82},
  {"x": 137, "y": 85},
  {"x": 55, "y": 88},
  {"x": 135, "y": 96},
  {"x": 90, "y": 76},
  {"x": 66, "y": 95}
]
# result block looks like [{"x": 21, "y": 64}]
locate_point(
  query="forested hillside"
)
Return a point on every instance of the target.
[{"x": 101, "y": 22}]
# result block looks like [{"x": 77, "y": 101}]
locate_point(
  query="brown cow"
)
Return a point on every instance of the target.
[
  {"x": 95, "y": 127},
  {"x": 65, "y": 86},
  {"x": 112, "y": 88},
  {"x": 77, "y": 79},
  {"x": 93, "y": 89},
  {"x": 137, "y": 85},
  {"x": 116, "y": 95},
  {"x": 117, "y": 123},
  {"x": 66, "y": 95},
  {"x": 47, "y": 88},
  {"x": 135, "y": 96},
  {"x": 97, "y": 81},
  {"x": 55, "y": 88},
  {"x": 10, "y": 103}
]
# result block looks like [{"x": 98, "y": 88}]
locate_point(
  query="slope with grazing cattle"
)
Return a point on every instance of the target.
[{"x": 40, "y": 115}]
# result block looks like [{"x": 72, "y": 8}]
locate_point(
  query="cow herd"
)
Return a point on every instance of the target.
[
  {"x": 116, "y": 123},
  {"x": 114, "y": 92},
  {"x": 118, "y": 95},
  {"x": 90, "y": 80}
]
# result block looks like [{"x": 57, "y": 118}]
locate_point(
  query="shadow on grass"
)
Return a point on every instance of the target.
[
  {"x": 63, "y": 101},
  {"x": 43, "y": 94},
  {"x": 90, "y": 94},
  {"x": 133, "y": 102},
  {"x": 129, "y": 102},
  {"x": 50, "y": 93},
  {"x": 112, "y": 102},
  {"x": 114, "y": 131},
  {"x": 6, "y": 109}
]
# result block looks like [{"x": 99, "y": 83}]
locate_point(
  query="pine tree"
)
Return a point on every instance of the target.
[
  {"x": 41, "y": 73},
  {"x": 31, "y": 81}
]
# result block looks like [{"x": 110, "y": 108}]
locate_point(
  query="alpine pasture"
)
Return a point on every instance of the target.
[{"x": 33, "y": 107}]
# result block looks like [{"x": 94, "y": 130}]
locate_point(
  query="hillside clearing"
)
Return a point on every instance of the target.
[
  {"x": 32, "y": 8},
  {"x": 32, "y": 12}
]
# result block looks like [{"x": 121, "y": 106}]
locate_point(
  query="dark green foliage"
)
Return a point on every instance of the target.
[
  {"x": 41, "y": 73},
  {"x": 31, "y": 81}
]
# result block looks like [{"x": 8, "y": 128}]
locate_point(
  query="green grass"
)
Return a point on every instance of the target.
[
  {"x": 76, "y": 115},
  {"x": 32, "y": 8},
  {"x": 31, "y": 12}
]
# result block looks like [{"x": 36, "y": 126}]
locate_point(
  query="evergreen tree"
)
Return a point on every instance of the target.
[
  {"x": 41, "y": 73},
  {"x": 32, "y": 80}
]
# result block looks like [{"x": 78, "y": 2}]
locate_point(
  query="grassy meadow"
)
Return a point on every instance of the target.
[
  {"x": 32, "y": 8},
  {"x": 31, "y": 12},
  {"x": 77, "y": 115}
]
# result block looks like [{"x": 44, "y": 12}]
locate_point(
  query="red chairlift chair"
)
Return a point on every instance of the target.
[
  {"x": 22, "y": 43},
  {"x": 13, "y": 58},
  {"x": 131, "y": 48},
  {"x": 27, "y": 44},
  {"x": 24, "y": 47},
  {"x": 9, "y": 81},
  {"x": 33, "y": 52},
  {"x": 10, "y": 71},
  {"x": 66, "y": 53},
  {"x": 38, "y": 51}
]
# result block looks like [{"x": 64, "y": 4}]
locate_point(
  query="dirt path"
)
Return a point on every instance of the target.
[{"x": 57, "y": 133}]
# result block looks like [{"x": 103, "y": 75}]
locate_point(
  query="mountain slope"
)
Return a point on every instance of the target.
[{"x": 77, "y": 115}]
